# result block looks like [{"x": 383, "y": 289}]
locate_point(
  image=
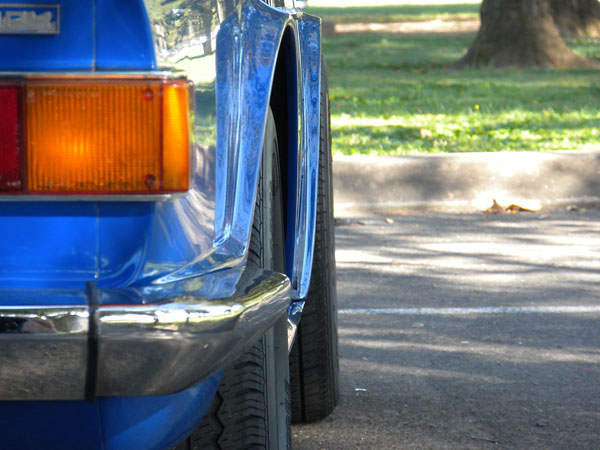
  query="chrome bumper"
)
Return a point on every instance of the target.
[{"x": 150, "y": 341}]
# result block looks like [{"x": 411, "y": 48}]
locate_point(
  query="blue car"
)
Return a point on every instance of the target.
[{"x": 165, "y": 222}]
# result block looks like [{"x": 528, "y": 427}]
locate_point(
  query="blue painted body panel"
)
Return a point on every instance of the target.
[
  {"x": 39, "y": 52},
  {"x": 49, "y": 246},
  {"x": 155, "y": 422},
  {"x": 100, "y": 35},
  {"x": 51, "y": 425},
  {"x": 107, "y": 423},
  {"x": 123, "y": 36},
  {"x": 230, "y": 54}
]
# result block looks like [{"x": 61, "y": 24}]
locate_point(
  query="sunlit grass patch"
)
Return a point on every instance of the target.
[
  {"x": 397, "y": 13},
  {"x": 511, "y": 130},
  {"x": 397, "y": 94}
]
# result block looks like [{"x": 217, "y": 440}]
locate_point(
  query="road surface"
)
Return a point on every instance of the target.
[{"x": 470, "y": 331}]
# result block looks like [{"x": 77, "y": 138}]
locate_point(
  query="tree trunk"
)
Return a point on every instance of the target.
[
  {"x": 520, "y": 33},
  {"x": 577, "y": 17}
]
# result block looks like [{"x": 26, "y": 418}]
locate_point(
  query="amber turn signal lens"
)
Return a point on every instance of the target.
[{"x": 113, "y": 136}]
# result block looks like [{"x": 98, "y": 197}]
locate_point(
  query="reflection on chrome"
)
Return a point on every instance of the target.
[
  {"x": 159, "y": 342},
  {"x": 294, "y": 313},
  {"x": 166, "y": 314},
  {"x": 43, "y": 351},
  {"x": 43, "y": 320},
  {"x": 161, "y": 348},
  {"x": 180, "y": 24},
  {"x": 185, "y": 34}
]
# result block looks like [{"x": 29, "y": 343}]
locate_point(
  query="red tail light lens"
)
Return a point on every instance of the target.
[
  {"x": 96, "y": 136},
  {"x": 10, "y": 117}
]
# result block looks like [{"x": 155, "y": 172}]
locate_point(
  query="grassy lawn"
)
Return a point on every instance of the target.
[
  {"x": 396, "y": 94},
  {"x": 397, "y": 13}
]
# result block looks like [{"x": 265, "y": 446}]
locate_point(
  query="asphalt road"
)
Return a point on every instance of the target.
[{"x": 467, "y": 331}]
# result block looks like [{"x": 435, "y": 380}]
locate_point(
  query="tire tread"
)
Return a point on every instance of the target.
[
  {"x": 314, "y": 366},
  {"x": 239, "y": 415}
]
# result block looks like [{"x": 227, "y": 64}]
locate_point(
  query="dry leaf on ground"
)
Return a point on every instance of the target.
[
  {"x": 518, "y": 209},
  {"x": 495, "y": 208}
]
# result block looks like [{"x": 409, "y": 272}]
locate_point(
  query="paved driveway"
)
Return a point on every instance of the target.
[{"x": 467, "y": 331}]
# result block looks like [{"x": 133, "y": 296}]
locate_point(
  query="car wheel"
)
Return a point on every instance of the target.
[
  {"x": 314, "y": 365},
  {"x": 252, "y": 406}
]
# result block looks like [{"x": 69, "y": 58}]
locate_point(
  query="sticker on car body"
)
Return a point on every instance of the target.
[{"x": 29, "y": 19}]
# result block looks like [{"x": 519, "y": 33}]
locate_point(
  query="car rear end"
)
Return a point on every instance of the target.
[{"x": 123, "y": 290}]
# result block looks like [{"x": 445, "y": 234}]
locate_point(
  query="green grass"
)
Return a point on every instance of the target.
[
  {"x": 396, "y": 13},
  {"x": 396, "y": 94}
]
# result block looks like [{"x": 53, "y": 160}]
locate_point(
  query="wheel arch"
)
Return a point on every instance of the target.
[
  {"x": 284, "y": 48},
  {"x": 284, "y": 103},
  {"x": 295, "y": 101}
]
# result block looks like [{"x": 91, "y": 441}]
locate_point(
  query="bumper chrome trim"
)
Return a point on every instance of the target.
[
  {"x": 150, "y": 341},
  {"x": 43, "y": 352},
  {"x": 294, "y": 313}
]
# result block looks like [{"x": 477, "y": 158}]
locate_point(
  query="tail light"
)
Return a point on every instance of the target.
[
  {"x": 94, "y": 136},
  {"x": 10, "y": 174}
]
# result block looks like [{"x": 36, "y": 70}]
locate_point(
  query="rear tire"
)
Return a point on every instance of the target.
[
  {"x": 314, "y": 363},
  {"x": 252, "y": 406}
]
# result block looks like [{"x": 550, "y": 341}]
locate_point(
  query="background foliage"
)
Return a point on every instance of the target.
[{"x": 394, "y": 93}]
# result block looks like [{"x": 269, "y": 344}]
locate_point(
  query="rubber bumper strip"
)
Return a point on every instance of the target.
[{"x": 91, "y": 375}]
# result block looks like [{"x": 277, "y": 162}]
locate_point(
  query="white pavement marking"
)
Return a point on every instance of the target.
[{"x": 474, "y": 311}]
